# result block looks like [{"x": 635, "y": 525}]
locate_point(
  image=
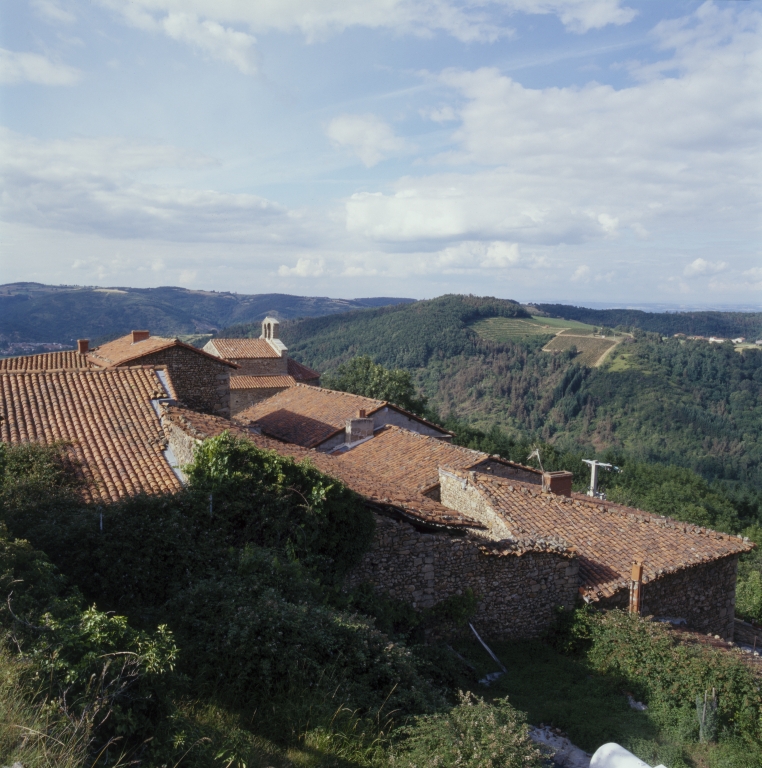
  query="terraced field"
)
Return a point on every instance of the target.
[
  {"x": 590, "y": 349},
  {"x": 519, "y": 329}
]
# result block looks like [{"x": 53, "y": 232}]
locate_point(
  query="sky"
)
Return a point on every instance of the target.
[{"x": 582, "y": 151}]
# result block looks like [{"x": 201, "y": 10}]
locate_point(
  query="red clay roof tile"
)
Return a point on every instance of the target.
[
  {"x": 68, "y": 359},
  {"x": 241, "y": 349}
]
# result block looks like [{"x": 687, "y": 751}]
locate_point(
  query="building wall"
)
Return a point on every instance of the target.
[
  {"x": 454, "y": 493},
  {"x": 240, "y": 399},
  {"x": 199, "y": 382},
  {"x": 261, "y": 366},
  {"x": 704, "y": 595},
  {"x": 181, "y": 443},
  {"x": 517, "y": 594},
  {"x": 390, "y": 416}
]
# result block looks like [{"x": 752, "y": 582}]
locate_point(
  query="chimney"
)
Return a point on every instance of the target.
[
  {"x": 83, "y": 346},
  {"x": 140, "y": 336},
  {"x": 559, "y": 483},
  {"x": 358, "y": 428}
]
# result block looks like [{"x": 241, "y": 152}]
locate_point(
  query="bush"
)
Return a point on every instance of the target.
[{"x": 474, "y": 734}]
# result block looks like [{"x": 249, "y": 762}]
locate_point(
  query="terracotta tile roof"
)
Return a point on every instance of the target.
[
  {"x": 115, "y": 435},
  {"x": 308, "y": 415},
  {"x": 243, "y": 348},
  {"x": 301, "y": 372},
  {"x": 410, "y": 505},
  {"x": 261, "y": 382},
  {"x": 607, "y": 537},
  {"x": 407, "y": 459},
  {"x": 123, "y": 350},
  {"x": 68, "y": 359}
]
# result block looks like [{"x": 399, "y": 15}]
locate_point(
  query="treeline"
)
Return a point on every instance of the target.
[{"x": 722, "y": 324}]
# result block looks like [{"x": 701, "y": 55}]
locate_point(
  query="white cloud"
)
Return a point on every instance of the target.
[
  {"x": 94, "y": 185},
  {"x": 369, "y": 137},
  {"x": 581, "y": 273},
  {"x": 574, "y": 164},
  {"x": 304, "y": 268},
  {"x": 755, "y": 273},
  {"x": 51, "y": 11},
  {"x": 19, "y": 67},
  {"x": 704, "y": 267},
  {"x": 480, "y": 20}
]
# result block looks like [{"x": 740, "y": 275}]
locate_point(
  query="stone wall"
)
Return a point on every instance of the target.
[
  {"x": 704, "y": 595},
  {"x": 181, "y": 443},
  {"x": 517, "y": 593},
  {"x": 240, "y": 399},
  {"x": 200, "y": 382},
  {"x": 391, "y": 416},
  {"x": 261, "y": 366},
  {"x": 455, "y": 493}
]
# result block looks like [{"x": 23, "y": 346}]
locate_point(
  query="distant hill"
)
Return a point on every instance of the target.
[
  {"x": 722, "y": 324},
  {"x": 32, "y": 312},
  {"x": 688, "y": 403}
]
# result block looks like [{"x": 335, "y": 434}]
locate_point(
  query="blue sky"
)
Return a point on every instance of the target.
[{"x": 542, "y": 150}]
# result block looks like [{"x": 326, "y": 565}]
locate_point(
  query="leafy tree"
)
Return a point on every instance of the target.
[{"x": 362, "y": 376}]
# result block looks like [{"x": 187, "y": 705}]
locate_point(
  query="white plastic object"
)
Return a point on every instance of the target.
[{"x": 615, "y": 756}]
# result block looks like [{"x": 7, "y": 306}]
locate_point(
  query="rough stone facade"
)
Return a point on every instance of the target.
[
  {"x": 199, "y": 382},
  {"x": 387, "y": 415},
  {"x": 240, "y": 399},
  {"x": 456, "y": 494},
  {"x": 261, "y": 366},
  {"x": 517, "y": 593},
  {"x": 704, "y": 595}
]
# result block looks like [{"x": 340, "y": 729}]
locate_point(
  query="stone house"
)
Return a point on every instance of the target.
[
  {"x": 688, "y": 572},
  {"x": 423, "y": 552},
  {"x": 195, "y": 378},
  {"x": 325, "y": 419},
  {"x": 264, "y": 366}
]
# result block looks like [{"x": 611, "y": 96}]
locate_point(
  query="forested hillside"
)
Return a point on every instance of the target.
[
  {"x": 686, "y": 403},
  {"x": 31, "y": 312}
]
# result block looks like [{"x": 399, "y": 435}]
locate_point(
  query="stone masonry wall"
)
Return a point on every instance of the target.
[
  {"x": 261, "y": 366},
  {"x": 182, "y": 444},
  {"x": 454, "y": 493},
  {"x": 517, "y": 594},
  {"x": 199, "y": 382},
  {"x": 240, "y": 399},
  {"x": 704, "y": 595},
  {"x": 390, "y": 416}
]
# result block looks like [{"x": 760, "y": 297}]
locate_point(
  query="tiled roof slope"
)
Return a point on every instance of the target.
[
  {"x": 608, "y": 538},
  {"x": 376, "y": 490},
  {"x": 243, "y": 348},
  {"x": 301, "y": 372},
  {"x": 68, "y": 359},
  {"x": 308, "y": 415},
  {"x": 407, "y": 459},
  {"x": 115, "y": 435},
  {"x": 261, "y": 382},
  {"x": 123, "y": 350}
]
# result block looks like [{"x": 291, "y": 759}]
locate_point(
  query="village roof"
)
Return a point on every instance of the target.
[
  {"x": 608, "y": 537},
  {"x": 301, "y": 372},
  {"x": 308, "y": 415},
  {"x": 68, "y": 359},
  {"x": 261, "y": 382},
  {"x": 241, "y": 349},
  {"x": 106, "y": 416},
  {"x": 411, "y": 506},
  {"x": 124, "y": 350},
  {"x": 408, "y": 459}
]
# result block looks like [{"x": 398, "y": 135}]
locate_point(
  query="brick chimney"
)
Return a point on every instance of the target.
[
  {"x": 83, "y": 346},
  {"x": 140, "y": 336},
  {"x": 358, "y": 428},
  {"x": 559, "y": 483}
]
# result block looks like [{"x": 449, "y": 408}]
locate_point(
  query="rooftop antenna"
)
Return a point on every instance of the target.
[
  {"x": 594, "y": 465},
  {"x": 536, "y": 455}
]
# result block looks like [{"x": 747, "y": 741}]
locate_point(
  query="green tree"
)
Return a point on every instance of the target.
[{"x": 362, "y": 376}]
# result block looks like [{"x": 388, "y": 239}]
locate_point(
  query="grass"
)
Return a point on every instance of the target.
[
  {"x": 504, "y": 329},
  {"x": 589, "y": 349}
]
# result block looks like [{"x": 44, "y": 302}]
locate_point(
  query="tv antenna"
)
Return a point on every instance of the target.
[{"x": 594, "y": 466}]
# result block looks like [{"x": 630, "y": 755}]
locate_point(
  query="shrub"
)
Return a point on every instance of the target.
[{"x": 474, "y": 734}]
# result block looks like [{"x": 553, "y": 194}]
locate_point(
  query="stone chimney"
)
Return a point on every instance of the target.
[
  {"x": 358, "y": 428},
  {"x": 83, "y": 346},
  {"x": 140, "y": 336},
  {"x": 559, "y": 483}
]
